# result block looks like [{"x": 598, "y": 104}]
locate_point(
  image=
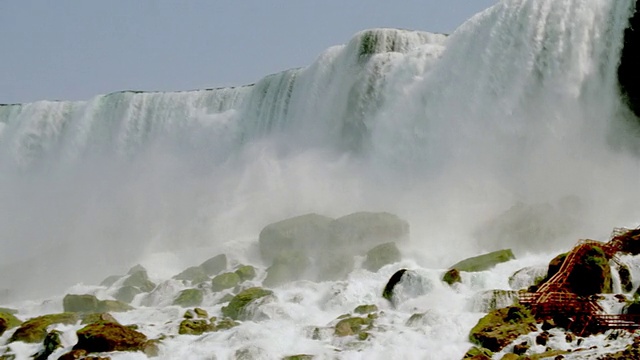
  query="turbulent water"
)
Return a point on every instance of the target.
[{"x": 520, "y": 105}]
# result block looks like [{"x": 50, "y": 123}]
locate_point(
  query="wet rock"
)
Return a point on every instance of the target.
[
  {"x": 357, "y": 232},
  {"x": 238, "y": 304},
  {"x": 35, "y": 330},
  {"x": 520, "y": 349},
  {"x": 452, "y": 276},
  {"x": 110, "y": 280},
  {"x": 80, "y": 303},
  {"x": 201, "y": 313},
  {"x": 351, "y": 326},
  {"x": 8, "y": 321},
  {"x": 365, "y": 309},
  {"x": 109, "y": 337},
  {"x": 298, "y": 357},
  {"x": 629, "y": 241},
  {"x": 489, "y": 300},
  {"x": 74, "y": 355},
  {"x": 51, "y": 343},
  {"x": 542, "y": 338},
  {"x": 592, "y": 275},
  {"x": 127, "y": 293},
  {"x": 246, "y": 272},
  {"x": 214, "y": 265},
  {"x": 195, "y": 327},
  {"x": 287, "y": 267},
  {"x": 387, "y": 293},
  {"x": 138, "y": 277},
  {"x": 485, "y": 261},
  {"x": 527, "y": 277},
  {"x": 478, "y": 353},
  {"x": 500, "y": 327},
  {"x": 225, "y": 281},
  {"x": 625, "y": 278},
  {"x": 296, "y": 234},
  {"x": 189, "y": 298},
  {"x": 226, "y": 324},
  {"x": 380, "y": 256},
  {"x": 195, "y": 274},
  {"x": 8, "y": 311},
  {"x": 98, "y": 318}
]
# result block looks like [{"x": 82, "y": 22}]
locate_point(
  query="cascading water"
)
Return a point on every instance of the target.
[{"x": 519, "y": 104}]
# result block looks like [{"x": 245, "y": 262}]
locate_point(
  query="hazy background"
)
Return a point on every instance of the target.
[{"x": 72, "y": 50}]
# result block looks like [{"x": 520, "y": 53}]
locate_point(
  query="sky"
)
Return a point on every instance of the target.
[{"x": 74, "y": 50}]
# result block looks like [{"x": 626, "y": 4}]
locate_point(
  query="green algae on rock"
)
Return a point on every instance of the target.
[
  {"x": 238, "y": 304},
  {"x": 500, "y": 327},
  {"x": 189, "y": 298},
  {"x": 225, "y": 281},
  {"x": 246, "y": 272},
  {"x": 35, "y": 330},
  {"x": 8, "y": 321},
  {"x": 484, "y": 262},
  {"x": 109, "y": 337}
]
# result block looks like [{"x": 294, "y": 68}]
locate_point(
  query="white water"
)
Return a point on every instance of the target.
[{"x": 519, "y": 104}]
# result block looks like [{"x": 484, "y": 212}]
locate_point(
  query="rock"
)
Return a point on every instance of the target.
[
  {"x": 51, "y": 343},
  {"x": 226, "y": 324},
  {"x": 542, "y": 338},
  {"x": 195, "y": 274},
  {"x": 512, "y": 356},
  {"x": 629, "y": 241},
  {"x": 98, "y": 318},
  {"x": 592, "y": 275},
  {"x": 135, "y": 269},
  {"x": 201, "y": 313},
  {"x": 334, "y": 266},
  {"x": 127, "y": 293},
  {"x": 246, "y": 272},
  {"x": 225, "y": 281},
  {"x": 139, "y": 279},
  {"x": 489, "y": 300},
  {"x": 35, "y": 330},
  {"x": 287, "y": 267},
  {"x": 350, "y": 326},
  {"x": 299, "y": 234},
  {"x": 110, "y": 280},
  {"x": 189, "y": 298},
  {"x": 109, "y": 337},
  {"x": 380, "y": 256},
  {"x": 8, "y": 321},
  {"x": 357, "y": 232},
  {"x": 214, "y": 265},
  {"x": 113, "y": 306},
  {"x": 500, "y": 327},
  {"x": 452, "y": 276},
  {"x": 520, "y": 349},
  {"x": 8, "y": 311},
  {"x": 625, "y": 278},
  {"x": 387, "y": 293},
  {"x": 477, "y": 353},
  {"x": 239, "y": 302},
  {"x": 195, "y": 327},
  {"x": 80, "y": 303},
  {"x": 527, "y": 277},
  {"x": 74, "y": 355},
  {"x": 298, "y": 357},
  {"x": 365, "y": 309},
  {"x": 484, "y": 262}
]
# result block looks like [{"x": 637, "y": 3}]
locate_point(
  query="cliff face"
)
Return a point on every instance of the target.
[{"x": 629, "y": 69}]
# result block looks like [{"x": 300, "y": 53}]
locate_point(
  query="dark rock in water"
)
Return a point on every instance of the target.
[
  {"x": 8, "y": 321},
  {"x": 380, "y": 256},
  {"x": 214, "y": 265},
  {"x": 452, "y": 276},
  {"x": 287, "y": 267},
  {"x": 127, "y": 293},
  {"x": 35, "y": 330},
  {"x": 520, "y": 349},
  {"x": 238, "y": 304},
  {"x": 478, "y": 353},
  {"x": 542, "y": 338},
  {"x": 485, "y": 261},
  {"x": 387, "y": 293},
  {"x": 189, "y": 298},
  {"x": 500, "y": 327},
  {"x": 195, "y": 274},
  {"x": 246, "y": 272},
  {"x": 628, "y": 72},
  {"x": 625, "y": 278},
  {"x": 51, "y": 343},
  {"x": 592, "y": 275},
  {"x": 225, "y": 281},
  {"x": 109, "y": 337},
  {"x": 629, "y": 241}
]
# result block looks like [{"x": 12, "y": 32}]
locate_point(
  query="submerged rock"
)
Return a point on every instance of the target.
[
  {"x": 238, "y": 304},
  {"x": 35, "y": 330},
  {"x": 380, "y": 256},
  {"x": 109, "y": 337},
  {"x": 502, "y": 326},
  {"x": 484, "y": 262},
  {"x": 189, "y": 298}
]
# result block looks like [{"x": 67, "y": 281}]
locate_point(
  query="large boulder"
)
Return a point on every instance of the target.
[
  {"x": 195, "y": 274},
  {"x": 387, "y": 293},
  {"x": 628, "y": 241},
  {"x": 109, "y": 337},
  {"x": 484, "y": 262},
  {"x": 8, "y": 321},
  {"x": 287, "y": 267},
  {"x": 138, "y": 277},
  {"x": 214, "y": 265},
  {"x": 381, "y": 255},
  {"x": 236, "y": 307},
  {"x": 90, "y": 304},
  {"x": 35, "y": 330},
  {"x": 358, "y": 232},
  {"x": 246, "y": 272},
  {"x": 590, "y": 275},
  {"x": 126, "y": 294},
  {"x": 299, "y": 234},
  {"x": 225, "y": 281},
  {"x": 502, "y": 326},
  {"x": 189, "y": 298}
]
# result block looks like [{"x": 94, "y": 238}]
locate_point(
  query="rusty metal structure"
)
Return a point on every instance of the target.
[{"x": 583, "y": 313}]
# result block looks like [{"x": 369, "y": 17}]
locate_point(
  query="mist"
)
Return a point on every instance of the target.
[{"x": 513, "y": 120}]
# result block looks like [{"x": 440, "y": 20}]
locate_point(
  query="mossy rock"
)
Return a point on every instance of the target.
[
  {"x": 485, "y": 261},
  {"x": 592, "y": 274},
  {"x": 238, "y": 304},
  {"x": 287, "y": 267},
  {"x": 502, "y": 326},
  {"x": 452, "y": 276},
  {"x": 225, "y": 324},
  {"x": 478, "y": 353},
  {"x": 298, "y": 357},
  {"x": 214, "y": 265},
  {"x": 35, "y": 330},
  {"x": 195, "y": 274},
  {"x": 246, "y": 272},
  {"x": 98, "y": 318},
  {"x": 127, "y": 293},
  {"x": 381, "y": 255},
  {"x": 8, "y": 321},
  {"x": 351, "y": 326},
  {"x": 51, "y": 343},
  {"x": 109, "y": 337},
  {"x": 80, "y": 303},
  {"x": 113, "y": 306},
  {"x": 225, "y": 281},
  {"x": 195, "y": 327},
  {"x": 189, "y": 298},
  {"x": 8, "y": 311},
  {"x": 140, "y": 279},
  {"x": 365, "y": 309},
  {"x": 201, "y": 313}
]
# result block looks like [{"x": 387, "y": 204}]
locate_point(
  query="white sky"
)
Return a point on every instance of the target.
[{"x": 75, "y": 49}]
